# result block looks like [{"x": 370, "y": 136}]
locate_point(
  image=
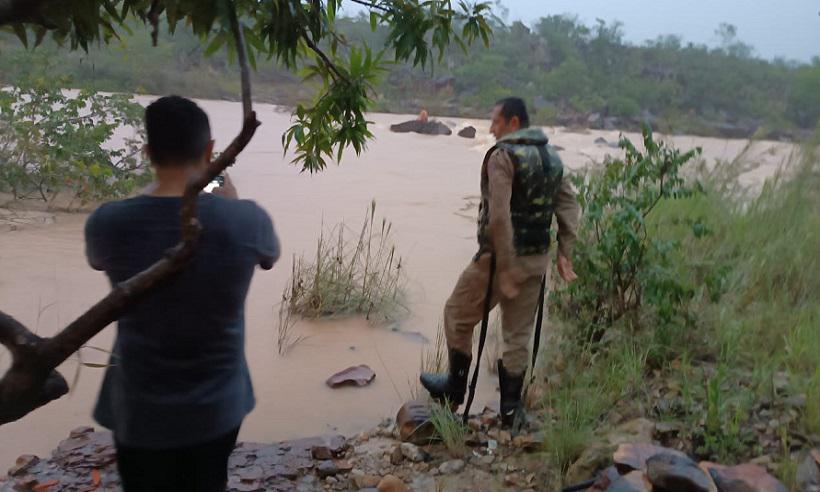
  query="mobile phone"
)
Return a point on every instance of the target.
[{"x": 215, "y": 183}]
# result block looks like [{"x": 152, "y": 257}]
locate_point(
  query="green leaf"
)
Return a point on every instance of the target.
[{"x": 214, "y": 45}]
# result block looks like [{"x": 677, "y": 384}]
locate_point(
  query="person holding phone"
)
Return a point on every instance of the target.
[{"x": 178, "y": 387}]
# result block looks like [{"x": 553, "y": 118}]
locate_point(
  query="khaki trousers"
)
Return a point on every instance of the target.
[{"x": 465, "y": 308}]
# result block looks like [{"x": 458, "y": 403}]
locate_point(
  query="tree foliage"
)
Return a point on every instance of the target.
[
  {"x": 52, "y": 143},
  {"x": 293, "y": 32}
]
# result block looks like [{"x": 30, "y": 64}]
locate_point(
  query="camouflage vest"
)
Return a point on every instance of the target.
[{"x": 537, "y": 178}]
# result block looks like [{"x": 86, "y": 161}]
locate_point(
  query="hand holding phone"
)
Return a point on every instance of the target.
[{"x": 226, "y": 188}]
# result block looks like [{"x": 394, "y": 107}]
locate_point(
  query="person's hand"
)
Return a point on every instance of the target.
[
  {"x": 510, "y": 280},
  {"x": 565, "y": 269},
  {"x": 227, "y": 190}
]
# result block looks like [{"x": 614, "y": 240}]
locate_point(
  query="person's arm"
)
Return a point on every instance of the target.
[
  {"x": 94, "y": 240},
  {"x": 267, "y": 242},
  {"x": 500, "y": 171},
  {"x": 567, "y": 213}
]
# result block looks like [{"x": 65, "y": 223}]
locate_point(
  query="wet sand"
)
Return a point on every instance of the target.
[{"x": 427, "y": 186}]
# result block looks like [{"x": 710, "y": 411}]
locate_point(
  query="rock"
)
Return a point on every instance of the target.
[
  {"x": 512, "y": 479},
  {"x": 391, "y": 483},
  {"x": 743, "y": 478},
  {"x": 343, "y": 466},
  {"x": 22, "y": 464},
  {"x": 396, "y": 456},
  {"x": 665, "y": 430},
  {"x": 361, "y": 375},
  {"x": 634, "y": 481},
  {"x": 600, "y": 141},
  {"x": 413, "y": 421},
  {"x": 504, "y": 438},
  {"x": 486, "y": 461},
  {"x": 80, "y": 431},
  {"x": 450, "y": 467},
  {"x": 326, "y": 469},
  {"x": 605, "y": 479},
  {"x": 629, "y": 457},
  {"x": 366, "y": 481},
  {"x": 25, "y": 483},
  {"x": 467, "y": 132},
  {"x": 808, "y": 475},
  {"x": 795, "y": 401},
  {"x": 598, "y": 455},
  {"x": 412, "y": 452},
  {"x": 321, "y": 453},
  {"x": 529, "y": 442},
  {"x": 780, "y": 380},
  {"x": 422, "y": 127},
  {"x": 675, "y": 473}
]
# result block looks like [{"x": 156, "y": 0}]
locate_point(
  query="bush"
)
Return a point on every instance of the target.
[
  {"x": 747, "y": 263},
  {"x": 622, "y": 263},
  {"x": 624, "y": 106},
  {"x": 53, "y": 144}
]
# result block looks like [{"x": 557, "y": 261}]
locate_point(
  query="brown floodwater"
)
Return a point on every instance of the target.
[{"x": 426, "y": 186}]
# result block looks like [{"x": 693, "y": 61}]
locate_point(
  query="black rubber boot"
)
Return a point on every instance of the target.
[
  {"x": 450, "y": 386},
  {"x": 511, "y": 387}
]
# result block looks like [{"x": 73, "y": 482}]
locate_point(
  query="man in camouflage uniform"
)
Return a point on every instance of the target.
[{"x": 522, "y": 187}]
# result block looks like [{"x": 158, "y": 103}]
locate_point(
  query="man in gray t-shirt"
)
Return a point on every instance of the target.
[{"x": 178, "y": 386}]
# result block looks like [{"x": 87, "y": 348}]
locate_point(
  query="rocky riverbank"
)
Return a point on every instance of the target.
[{"x": 628, "y": 459}]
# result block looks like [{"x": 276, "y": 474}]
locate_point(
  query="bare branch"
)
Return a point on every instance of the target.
[{"x": 32, "y": 381}]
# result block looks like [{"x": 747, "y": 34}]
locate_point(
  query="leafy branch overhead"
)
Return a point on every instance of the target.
[{"x": 297, "y": 33}]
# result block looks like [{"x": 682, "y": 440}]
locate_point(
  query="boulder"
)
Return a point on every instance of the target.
[
  {"x": 413, "y": 421},
  {"x": 467, "y": 132},
  {"x": 422, "y": 127},
  {"x": 675, "y": 473}
]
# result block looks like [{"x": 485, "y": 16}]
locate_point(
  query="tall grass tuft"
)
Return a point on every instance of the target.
[
  {"x": 449, "y": 428},
  {"x": 360, "y": 277}
]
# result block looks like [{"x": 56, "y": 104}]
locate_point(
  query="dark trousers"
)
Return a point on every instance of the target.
[{"x": 199, "y": 468}]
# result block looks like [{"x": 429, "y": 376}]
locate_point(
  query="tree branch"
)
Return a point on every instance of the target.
[
  {"x": 15, "y": 11},
  {"x": 32, "y": 381},
  {"x": 371, "y": 5},
  {"x": 330, "y": 65}
]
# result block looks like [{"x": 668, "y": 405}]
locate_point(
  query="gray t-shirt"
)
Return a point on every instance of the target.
[{"x": 178, "y": 375}]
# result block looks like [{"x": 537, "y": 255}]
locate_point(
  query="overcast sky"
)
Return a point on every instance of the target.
[{"x": 786, "y": 28}]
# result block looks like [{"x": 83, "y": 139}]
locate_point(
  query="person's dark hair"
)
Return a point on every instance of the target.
[
  {"x": 178, "y": 130},
  {"x": 514, "y": 106}
]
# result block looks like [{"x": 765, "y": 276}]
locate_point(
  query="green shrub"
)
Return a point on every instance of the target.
[
  {"x": 623, "y": 263},
  {"x": 54, "y": 144}
]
